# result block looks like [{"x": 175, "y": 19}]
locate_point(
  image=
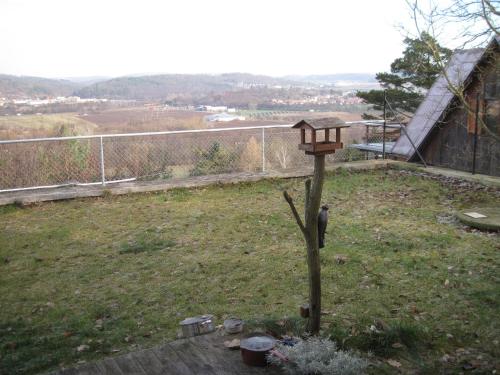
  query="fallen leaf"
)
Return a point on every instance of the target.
[
  {"x": 414, "y": 309},
  {"x": 232, "y": 344},
  {"x": 341, "y": 259},
  {"x": 82, "y": 348},
  {"x": 468, "y": 366},
  {"x": 327, "y": 312},
  {"x": 99, "y": 324},
  {"x": 394, "y": 363}
]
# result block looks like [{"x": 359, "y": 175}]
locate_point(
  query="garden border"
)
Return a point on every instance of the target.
[{"x": 77, "y": 191}]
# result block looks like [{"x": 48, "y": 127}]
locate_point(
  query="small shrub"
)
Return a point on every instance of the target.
[
  {"x": 381, "y": 342},
  {"x": 165, "y": 173},
  {"x": 251, "y": 157},
  {"x": 318, "y": 356},
  {"x": 216, "y": 159}
]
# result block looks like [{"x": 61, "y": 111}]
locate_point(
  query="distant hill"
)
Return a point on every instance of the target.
[
  {"x": 335, "y": 79},
  {"x": 25, "y": 86},
  {"x": 165, "y": 85},
  {"x": 88, "y": 80}
]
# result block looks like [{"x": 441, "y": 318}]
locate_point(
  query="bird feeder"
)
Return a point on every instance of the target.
[{"x": 326, "y": 146}]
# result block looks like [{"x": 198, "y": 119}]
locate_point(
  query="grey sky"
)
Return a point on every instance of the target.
[{"x": 57, "y": 38}]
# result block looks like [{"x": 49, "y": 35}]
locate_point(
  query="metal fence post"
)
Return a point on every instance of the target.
[
  {"x": 385, "y": 124},
  {"x": 474, "y": 144},
  {"x": 103, "y": 176},
  {"x": 263, "y": 150}
]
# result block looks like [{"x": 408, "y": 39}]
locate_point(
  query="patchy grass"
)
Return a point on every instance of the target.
[
  {"x": 51, "y": 125},
  {"x": 147, "y": 241},
  {"x": 119, "y": 273}
]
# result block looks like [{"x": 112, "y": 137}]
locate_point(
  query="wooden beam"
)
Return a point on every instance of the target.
[
  {"x": 337, "y": 135},
  {"x": 302, "y": 136},
  {"x": 327, "y": 135}
]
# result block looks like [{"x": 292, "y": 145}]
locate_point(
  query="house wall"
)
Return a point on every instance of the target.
[{"x": 450, "y": 144}]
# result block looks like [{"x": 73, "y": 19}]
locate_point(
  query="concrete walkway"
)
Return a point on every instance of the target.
[{"x": 492, "y": 181}]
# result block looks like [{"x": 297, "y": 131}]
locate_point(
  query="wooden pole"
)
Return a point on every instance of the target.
[{"x": 314, "y": 190}]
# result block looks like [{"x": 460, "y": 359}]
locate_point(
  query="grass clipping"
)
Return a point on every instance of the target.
[{"x": 318, "y": 356}]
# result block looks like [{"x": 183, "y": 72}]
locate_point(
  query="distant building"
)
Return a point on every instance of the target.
[
  {"x": 210, "y": 108},
  {"x": 223, "y": 117}
]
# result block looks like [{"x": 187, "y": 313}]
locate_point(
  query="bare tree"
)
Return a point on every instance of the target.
[
  {"x": 309, "y": 228},
  {"x": 465, "y": 23},
  {"x": 282, "y": 153}
]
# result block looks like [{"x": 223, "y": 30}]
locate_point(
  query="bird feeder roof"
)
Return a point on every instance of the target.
[{"x": 321, "y": 123}]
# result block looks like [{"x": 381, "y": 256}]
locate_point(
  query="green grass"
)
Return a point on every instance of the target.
[{"x": 120, "y": 272}]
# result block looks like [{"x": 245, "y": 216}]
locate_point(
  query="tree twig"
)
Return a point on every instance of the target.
[
  {"x": 308, "y": 195},
  {"x": 296, "y": 215}
]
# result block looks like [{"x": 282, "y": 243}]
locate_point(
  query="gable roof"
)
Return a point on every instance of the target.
[
  {"x": 322, "y": 123},
  {"x": 438, "y": 99}
]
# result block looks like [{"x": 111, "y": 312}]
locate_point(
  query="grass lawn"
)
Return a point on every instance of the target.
[{"x": 118, "y": 273}]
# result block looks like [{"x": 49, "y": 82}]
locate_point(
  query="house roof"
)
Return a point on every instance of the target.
[
  {"x": 438, "y": 99},
  {"x": 321, "y": 123}
]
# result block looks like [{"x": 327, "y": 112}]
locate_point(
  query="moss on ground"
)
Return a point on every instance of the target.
[{"x": 119, "y": 273}]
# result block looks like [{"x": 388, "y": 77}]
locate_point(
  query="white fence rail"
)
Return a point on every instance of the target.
[{"x": 104, "y": 159}]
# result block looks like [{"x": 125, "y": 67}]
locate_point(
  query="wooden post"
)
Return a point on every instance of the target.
[{"x": 314, "y": 191}]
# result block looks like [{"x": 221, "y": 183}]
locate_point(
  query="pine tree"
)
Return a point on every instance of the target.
[{"x": 411, "y": 75}]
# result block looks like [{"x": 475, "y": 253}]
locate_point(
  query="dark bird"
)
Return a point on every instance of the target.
[{"x": 322, "y": 223}]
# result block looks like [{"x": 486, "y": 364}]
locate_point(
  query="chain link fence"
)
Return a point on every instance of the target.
[{"x": 36, "y": 163}]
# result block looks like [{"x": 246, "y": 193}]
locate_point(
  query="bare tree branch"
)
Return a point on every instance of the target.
[
  {"x": 308, "y": 195},
  {"x": 460, "y": 10},
  {"x": 486, "y": 17},
  {"x": 296, "y": 215}
]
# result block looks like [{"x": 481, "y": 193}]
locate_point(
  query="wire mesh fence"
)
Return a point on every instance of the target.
[{"x": 105, "y": 159}]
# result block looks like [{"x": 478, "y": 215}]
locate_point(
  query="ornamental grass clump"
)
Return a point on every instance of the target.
[{"x": 318, "y": 356}]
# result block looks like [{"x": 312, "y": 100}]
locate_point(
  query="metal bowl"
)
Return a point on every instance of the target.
[
  {"x": 255, "y": 347},
  {"x": 233, "y": 325}
]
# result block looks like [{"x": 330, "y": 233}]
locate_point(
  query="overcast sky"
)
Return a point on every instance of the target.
[{"x": 64, "y": 38}]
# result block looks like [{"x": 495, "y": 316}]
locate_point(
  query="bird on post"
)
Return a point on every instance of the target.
[{"x": 322, "y": 223}]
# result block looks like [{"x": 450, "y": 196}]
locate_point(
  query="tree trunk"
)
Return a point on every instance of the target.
[
  {"x": 313, "y": 261},
  {"x": 310, "y": 232}
]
